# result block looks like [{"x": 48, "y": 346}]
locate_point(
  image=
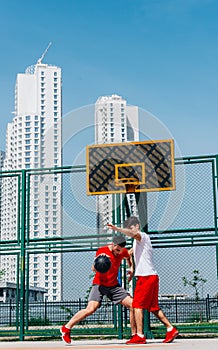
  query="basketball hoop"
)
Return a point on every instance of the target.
[
  {"x": 130, "y": 188},
  {"x": 130, "y": 184}
]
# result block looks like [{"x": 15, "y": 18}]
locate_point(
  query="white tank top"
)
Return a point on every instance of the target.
[{"x": 143, "y": 256}]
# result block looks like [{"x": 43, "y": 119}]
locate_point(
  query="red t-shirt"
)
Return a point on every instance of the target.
[{"x": 109, "y": 279}]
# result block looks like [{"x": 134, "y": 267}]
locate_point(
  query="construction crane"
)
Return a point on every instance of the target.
[{"x": 43, "y": 55}]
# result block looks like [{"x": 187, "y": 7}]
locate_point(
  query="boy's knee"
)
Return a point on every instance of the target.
[{"x": 90, "y": 310}]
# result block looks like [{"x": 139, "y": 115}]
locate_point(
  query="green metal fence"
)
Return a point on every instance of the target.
[{"x": 52, "y": 238}]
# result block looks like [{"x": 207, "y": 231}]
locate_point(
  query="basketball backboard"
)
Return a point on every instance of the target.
[{"x": 130, "y": 167}]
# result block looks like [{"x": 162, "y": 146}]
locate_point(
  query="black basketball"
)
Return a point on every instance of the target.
[{"x": 102, "y": 263}]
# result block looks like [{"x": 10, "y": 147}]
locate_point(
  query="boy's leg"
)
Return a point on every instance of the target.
[{"x": 80, "y": 315}]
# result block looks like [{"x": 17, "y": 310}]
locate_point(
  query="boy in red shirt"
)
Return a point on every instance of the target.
[{"x": 105, "y": 284}]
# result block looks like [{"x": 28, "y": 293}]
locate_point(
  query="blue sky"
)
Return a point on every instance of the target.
[{"x": 161, "y": 55}]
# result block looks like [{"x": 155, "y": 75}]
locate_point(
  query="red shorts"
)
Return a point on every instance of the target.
[{"x": 146, "y": 293}]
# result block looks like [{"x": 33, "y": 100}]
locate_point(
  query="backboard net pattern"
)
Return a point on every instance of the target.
[{"x": 148, "y": 165}]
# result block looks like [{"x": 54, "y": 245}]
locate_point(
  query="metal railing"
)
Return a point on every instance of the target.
[{"x": 57, "y": 313}]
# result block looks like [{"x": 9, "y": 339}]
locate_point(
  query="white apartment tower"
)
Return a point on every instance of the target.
[
  {"x": 33, "y": 141},
  {"x": 115, "y": 122},
  {"x": 2, "y": 157}
]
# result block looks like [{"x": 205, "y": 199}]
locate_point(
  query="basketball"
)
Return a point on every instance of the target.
[{"x": 102, "y": 263}]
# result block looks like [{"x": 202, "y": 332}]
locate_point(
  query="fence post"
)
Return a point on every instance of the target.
[
  {"x": 208, "y": 308},
  {"x": 22, "y": 255},
  {"x": 115, "y": 316},
  {"x": 176, "y": 306},
  {"x": 120, "y": 321},
  {"x": 10, "y": 306},
  {"x": 45, "y": 311},
  {"x": 120, "y": 307}
]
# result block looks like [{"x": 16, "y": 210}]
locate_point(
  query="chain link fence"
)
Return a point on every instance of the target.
[{"x": 56, "y": 234}]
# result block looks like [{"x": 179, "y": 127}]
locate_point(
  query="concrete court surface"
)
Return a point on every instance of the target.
[{"x": 178, "y": 344}]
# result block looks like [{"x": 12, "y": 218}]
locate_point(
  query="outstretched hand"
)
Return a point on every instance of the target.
[{"x": 112, "y": 227}]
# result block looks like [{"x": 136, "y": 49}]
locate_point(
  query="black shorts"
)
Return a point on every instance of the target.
[{"x": 116, "y": 294}]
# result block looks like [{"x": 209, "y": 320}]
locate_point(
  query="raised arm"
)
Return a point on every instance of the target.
[{"x": 133, "y": 232}]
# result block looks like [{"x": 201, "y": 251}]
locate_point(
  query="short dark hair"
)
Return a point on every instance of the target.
[
  {"x": 131, "y": 221},
  {"x": 119, "y": 240}
]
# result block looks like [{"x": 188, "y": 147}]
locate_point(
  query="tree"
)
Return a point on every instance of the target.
[{"x": 196, "y": 282}]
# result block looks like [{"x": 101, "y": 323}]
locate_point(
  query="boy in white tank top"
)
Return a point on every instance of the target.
[{"x": 147, "y": 282}]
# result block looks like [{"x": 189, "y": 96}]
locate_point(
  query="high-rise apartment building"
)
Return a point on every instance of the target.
[
  {"x": 115, "y": 121},
  {"x": 33, "y": 141},
  {"x": 2, "y": 157}
]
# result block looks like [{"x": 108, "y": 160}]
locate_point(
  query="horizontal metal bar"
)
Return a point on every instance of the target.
[{"x": 180, "y": 230}]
